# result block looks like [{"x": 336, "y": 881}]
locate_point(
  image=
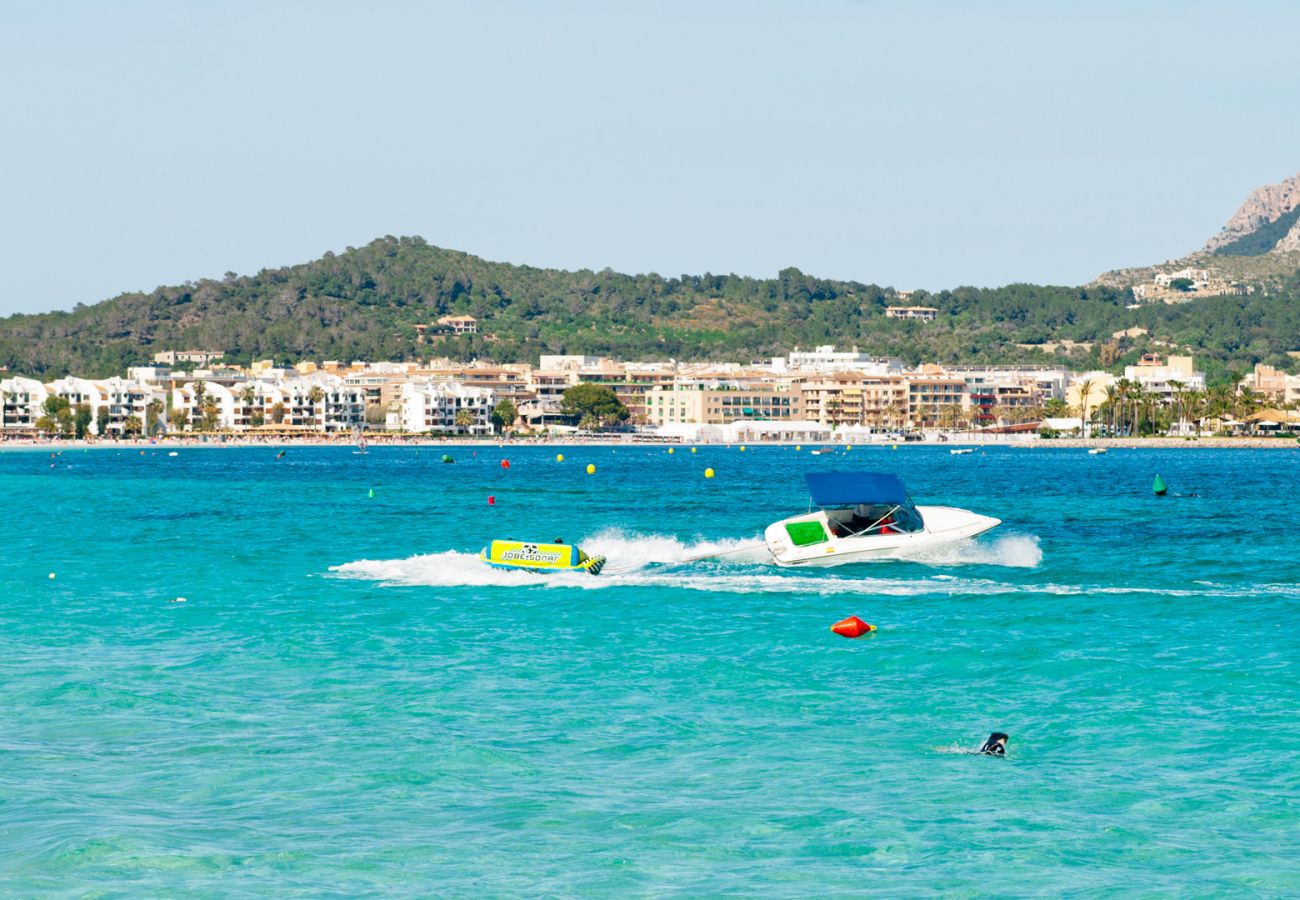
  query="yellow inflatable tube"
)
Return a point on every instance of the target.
[{"x": 537, "y": 557}]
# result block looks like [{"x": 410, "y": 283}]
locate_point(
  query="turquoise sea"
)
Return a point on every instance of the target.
[{"x": 349, "y": 703}]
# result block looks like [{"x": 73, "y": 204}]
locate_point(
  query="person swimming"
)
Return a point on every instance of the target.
[{"x": 996, "y": 745}]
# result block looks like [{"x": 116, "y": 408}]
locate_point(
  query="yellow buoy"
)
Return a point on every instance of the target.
[
  {"x": 692, "y": 449},
  {"x": 670, "y": 450},
  {"x": 742, "y": 448},
  {"x": 591, "y": 468},
  {"x": 848, "y": 446},
  {"x": 798, "y": 446},
  {"x": 895, "y": 447},
  {"x": 559, "y": 457},
  {"x": 708, "y": 473}
]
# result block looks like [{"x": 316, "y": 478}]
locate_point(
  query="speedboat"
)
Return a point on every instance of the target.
[
  {"x": 538, "y": 557},
  {"x": 862, "y": 516},
  {"x": 1096, "y": 451},
  {"x": 961, "y": 451}
]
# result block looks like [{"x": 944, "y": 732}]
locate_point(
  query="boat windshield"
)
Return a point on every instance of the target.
[{"x": 865, "y": 519}]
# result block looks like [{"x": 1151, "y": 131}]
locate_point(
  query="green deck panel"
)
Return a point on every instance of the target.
[{"x": 804, "y": 534}]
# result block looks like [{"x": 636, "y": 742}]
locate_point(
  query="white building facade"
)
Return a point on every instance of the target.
[{"x": 432, "y": 406}]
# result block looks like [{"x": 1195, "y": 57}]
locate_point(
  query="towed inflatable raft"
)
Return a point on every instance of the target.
[{"x": 540, "y": 557}]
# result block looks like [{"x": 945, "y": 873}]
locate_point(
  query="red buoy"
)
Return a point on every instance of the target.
[
  {"x": 505, "y": 463},
  {"x": 852, "y": 627},
  {"x": 492, "y": 500}
]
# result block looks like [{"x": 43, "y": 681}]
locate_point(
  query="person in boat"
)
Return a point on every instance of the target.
[
  {"x": 996, "y": 745},
  {"x": 870, "y": 519}
]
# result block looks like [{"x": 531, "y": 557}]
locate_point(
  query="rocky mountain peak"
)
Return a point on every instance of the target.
[{"x": 1266, "y": 204}]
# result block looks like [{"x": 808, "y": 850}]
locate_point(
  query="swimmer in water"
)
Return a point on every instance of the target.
[{"x": 996, "y": 745}]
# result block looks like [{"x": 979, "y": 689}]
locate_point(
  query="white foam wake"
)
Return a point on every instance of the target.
[
  {"x": 627, "y": 552},
  {"x": 1014, "y": 551},
  {"x": 732, "y": 565}
]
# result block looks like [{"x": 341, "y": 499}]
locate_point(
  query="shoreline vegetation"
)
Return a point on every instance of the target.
[{"x": 949, "y": 440}]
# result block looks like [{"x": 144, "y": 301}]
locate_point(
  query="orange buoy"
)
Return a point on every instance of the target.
[
  {"x": 852, "y": 627},
  {"x": 505, "y": 463}
]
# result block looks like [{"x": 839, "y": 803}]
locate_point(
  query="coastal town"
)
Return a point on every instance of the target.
[{"x": 814, "y": 395}]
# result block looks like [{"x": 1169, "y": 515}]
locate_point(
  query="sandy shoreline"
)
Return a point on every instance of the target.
[
  {"x": 1174, "y": 443},
  {"x": 953, "y": 441}
]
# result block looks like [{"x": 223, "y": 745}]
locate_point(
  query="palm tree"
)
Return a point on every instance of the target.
[
  {"x": 210, "y": 414},
  {"x": 314, "y": 397},
  {"x": 1085, "y": 388},
  {"x": 898, "y": 413},
  {"x": 949, "y": 417},
  {"x": 1138, "y": 398},
  {"x": 1219, "y": 400},
  {"x": 1247, "y": 401},
  {"x": 200, "y": 392},
  {"x": 1194, "y": 407},
  {"x": 153, "y": 411},
  {"x": 1177, "y": 387},
  {"x": 464, "y": 419},
  {"x": 248, "y": 396},
  {"x": 1112, "y": 405}
]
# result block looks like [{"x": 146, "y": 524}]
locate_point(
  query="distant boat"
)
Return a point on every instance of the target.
[
  {"x": 962, "y": 451},
  {"x": 1096, "y": 451}
]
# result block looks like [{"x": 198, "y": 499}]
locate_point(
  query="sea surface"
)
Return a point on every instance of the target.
[{"x": 349, "y": 703}]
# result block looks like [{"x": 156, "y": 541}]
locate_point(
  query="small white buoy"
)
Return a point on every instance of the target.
[
  {"x": 178, "y": 600},
  {"x": 173, "y": 453},
  {"x": 51, "y": 576}
]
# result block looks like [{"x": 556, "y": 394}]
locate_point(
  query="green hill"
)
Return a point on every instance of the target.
[{"x": 366, "y": 303}]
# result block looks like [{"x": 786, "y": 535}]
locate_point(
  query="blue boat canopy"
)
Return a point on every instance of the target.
[{"x": 852, "y": 488}]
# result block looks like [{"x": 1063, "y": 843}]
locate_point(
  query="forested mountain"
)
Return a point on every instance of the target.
[{"x": 365, "y": 303}]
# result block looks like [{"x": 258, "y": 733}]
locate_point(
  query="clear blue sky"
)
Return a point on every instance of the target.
[{"x": 910, "y": 144}]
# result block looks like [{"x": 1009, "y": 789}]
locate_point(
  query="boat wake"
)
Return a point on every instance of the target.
[
  {"x": 724, "y": 565},
  {"x": 1012, "y": 551}
]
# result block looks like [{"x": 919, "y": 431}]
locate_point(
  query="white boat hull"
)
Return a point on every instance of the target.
[{"x": 943, "y": 525}]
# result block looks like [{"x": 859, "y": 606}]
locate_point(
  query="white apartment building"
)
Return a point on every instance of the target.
[
  {"x": 433, "y": 405},
  {"x": 195, "y": 397},
  {"x": 825, "y": 359},
  {"x": 1044, "y": 382},
  {"x": 1200, "y": 278},
  {"x": 22, "y": 402},
  {"x": 318, "y": 402},
  {"x": 921, "y": 313},
  {"x": 126, "y": 399}
]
